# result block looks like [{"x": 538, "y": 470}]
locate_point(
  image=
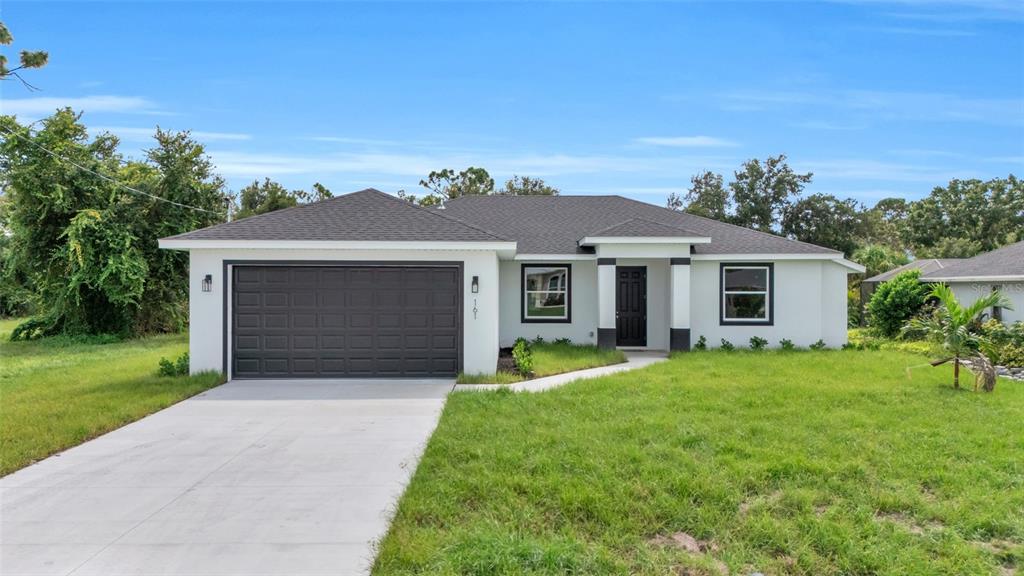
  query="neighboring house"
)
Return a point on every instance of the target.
[
  {"x": 1001, "y": 269},
  {"x": 925, "y": 265},
  {"x": 367, "y": 284}
]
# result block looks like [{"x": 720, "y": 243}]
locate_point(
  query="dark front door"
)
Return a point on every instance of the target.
[
  {"x": 631, "y": 306},
  {"x": 345, "y": 321}
]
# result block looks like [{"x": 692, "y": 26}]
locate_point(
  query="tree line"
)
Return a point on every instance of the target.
[{"x": 958, "y": 220}]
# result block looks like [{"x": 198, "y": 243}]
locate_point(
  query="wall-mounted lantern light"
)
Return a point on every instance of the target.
[
  {"x": 208, "y": 283},
  {"x": 475, "y": 286}
]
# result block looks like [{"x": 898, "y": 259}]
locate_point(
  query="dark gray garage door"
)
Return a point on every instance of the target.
[{"x": 345, "y": 321}]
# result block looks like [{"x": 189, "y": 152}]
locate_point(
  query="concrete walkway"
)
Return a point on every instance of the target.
[
  {"x": 251, "y": 478},
  {"x": 633, "y": 361}
]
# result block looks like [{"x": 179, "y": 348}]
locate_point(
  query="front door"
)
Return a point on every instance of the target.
[{"x": 631, "y": 306}]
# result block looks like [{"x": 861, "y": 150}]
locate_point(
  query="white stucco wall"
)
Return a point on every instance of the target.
[
  {"x": 968, "y": 292},
  {"x": 583, "y": 299},
  {"x": 480, "y": 334},
  {"x": 810, "y": 304},
  {"x": 584, "y": 296}
]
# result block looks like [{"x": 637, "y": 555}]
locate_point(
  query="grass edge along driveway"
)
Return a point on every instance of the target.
[
  {"x": 832, "y": 462},
  {"x": 58, "y": 392}
]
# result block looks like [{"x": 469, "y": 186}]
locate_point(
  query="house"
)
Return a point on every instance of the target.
[
  {"x": 1001, "y": 269},
  {"x": 925, "y": 265},
  {"x": 367, "y": 284}
]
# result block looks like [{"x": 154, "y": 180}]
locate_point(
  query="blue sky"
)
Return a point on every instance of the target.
[{"x": 876, "y": 98}]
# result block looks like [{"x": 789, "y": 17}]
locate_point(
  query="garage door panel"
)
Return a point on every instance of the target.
[{"x": 335, "y": 321}]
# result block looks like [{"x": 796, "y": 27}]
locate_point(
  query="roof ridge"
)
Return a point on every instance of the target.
[
  {"x": 773, "y": 235},
  {"x": 436, "y": 212},
  {"x": 641, "y": 219}
]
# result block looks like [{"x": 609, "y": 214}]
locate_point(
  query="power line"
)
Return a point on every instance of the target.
[{"x": 105, "y": 177}]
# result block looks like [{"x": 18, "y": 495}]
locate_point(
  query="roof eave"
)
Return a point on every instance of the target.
[
  {"x": 595, "y": 240},
  {"x": 993, "y": 278},
  {"x": 505, "y": 249}
]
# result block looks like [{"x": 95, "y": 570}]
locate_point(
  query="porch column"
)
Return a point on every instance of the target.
[
  {"x": 606, "y": 303},
  {"x": 679, "y": 304}
]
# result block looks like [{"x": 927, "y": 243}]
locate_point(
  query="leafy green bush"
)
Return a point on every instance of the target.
[
  {"x": 563, "y": 341},
  {"x": 702, "y": 343},
  {"x": 727, "y": 346},
  {"x": 523, "y": 356},
  {"x": 757, "y": 343},
  {"x": 1004, "y": 345},
  {"x": 895, "y": 302},
  {"x": 538, "y": 340},
  {"x": 177, "y": 367},
  {"x": 819, "y": 345},
  {"x": 787, "y": 345}
]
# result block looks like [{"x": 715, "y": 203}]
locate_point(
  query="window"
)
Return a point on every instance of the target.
[
  {"x": 546, "y": 295},
  {"x": 746, "y": 294}
]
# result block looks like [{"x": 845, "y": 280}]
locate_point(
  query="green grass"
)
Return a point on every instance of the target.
[
  {"x": 863, "y": 338},
  {"x": 817, "y": 463},
  {"x": 59, "y": 392},
  {"x": 551, "y": 358}
]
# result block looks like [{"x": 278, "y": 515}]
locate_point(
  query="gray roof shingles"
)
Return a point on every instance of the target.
[
  {"x": 553, "y": 224},
  {"x": 925, "y": 265},
  {"x": 539, "y": 224},
  {"x": 365, "y": 215},
  {"x": 1005, "y": 261}
]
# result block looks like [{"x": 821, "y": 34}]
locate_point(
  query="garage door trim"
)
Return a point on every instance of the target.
[{"x": 228, "y": 304}]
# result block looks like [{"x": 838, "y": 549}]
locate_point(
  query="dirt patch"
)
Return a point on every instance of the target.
[
  {"x": 687, "y": 543},
  {"x": 909, "y": 523}
]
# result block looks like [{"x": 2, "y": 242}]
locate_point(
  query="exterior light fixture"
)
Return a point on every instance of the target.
[
  {"x": 475, "y": 286},
  {"x": 208, "y": 283}
]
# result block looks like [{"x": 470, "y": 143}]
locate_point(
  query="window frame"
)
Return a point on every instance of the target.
[
  {"x": 769, "y": 293},
  {"x": 523, "y": 293}
]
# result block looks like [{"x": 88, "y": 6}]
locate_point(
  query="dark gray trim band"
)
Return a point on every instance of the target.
[
  {"x": 679, "y": 261},
  {"x": 679, "y": 339},
  {"x": 606, "y": 337},
  {"x": 606, "y": 261}
]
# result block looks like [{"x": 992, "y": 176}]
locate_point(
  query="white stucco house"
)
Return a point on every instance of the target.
[
  {"x": 367, "y": 284},
  {"x": 970, "y": 278}
]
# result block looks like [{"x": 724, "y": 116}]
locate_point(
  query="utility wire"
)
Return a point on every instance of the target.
[{"x": 105, "y": 177}]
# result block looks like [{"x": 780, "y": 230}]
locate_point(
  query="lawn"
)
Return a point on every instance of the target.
[
  {"x": 831, "y": 462},
  {"x": 552, "y": 358},
  {"x": 58, "y": 392}
]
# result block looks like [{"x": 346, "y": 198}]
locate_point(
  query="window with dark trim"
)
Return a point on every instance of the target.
[
  {"x": 746, "y": 293},
  {"x": 546, "y": 293}
]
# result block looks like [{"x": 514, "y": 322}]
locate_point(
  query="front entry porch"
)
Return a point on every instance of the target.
[{"x": 644, "y": 303}]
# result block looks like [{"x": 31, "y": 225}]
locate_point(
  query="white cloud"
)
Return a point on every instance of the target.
[
  {"x": 686, "y": 141},
  {"x": 46, "y": 105},
  {"x": 146, "y": 134}
]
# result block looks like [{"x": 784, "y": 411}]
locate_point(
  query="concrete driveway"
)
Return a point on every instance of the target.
[{"x": 251, "y": 478}]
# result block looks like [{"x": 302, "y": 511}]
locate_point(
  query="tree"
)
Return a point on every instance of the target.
[
  {"x": 674, "y": 202},
  {"x": 262, "y": 197},
  {"x": 883, "y": 223},
  {"x": 950, "y": 248},
  {"x": 84, "y": 247},
  {"x": 28, "y": 59},
  {"x": 527, "y": 186},
  {"x": 990, "y": 213},
  {"x": 761, "y": 192},
  {"x": 446, "y": 184},
  {"x": 824, "y": 220},
  {"x": 895, "y": 302},
  {"x": 707, "y": 196},
  {"x": 878, "y": 258},
  {"x": 950, "y": 325}
]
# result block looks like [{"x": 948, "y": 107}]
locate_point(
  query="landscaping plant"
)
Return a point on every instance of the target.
[
  {"x": 702, "y": 343},
  {"x": 757, "y": 343},
  {"x": 727, "y": 346},
  {"x": 950, "y": 326},
  {"x": 523, "y": 356},
  {"x": 895, "y": 302}
]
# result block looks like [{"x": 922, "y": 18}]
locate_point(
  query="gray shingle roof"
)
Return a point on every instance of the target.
[
  {"x": 1006, "y": 261},
  {"x": 366, "y": 215},
  {"x": 553, "y": 224},
  {"x": 641, "y": 228},
  {"x": 925, "y": 265}
]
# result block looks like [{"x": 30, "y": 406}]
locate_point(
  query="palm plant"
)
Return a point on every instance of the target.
[{"x": 949, "y": 325}]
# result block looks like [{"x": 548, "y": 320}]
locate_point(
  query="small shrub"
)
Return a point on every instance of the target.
[
  {"x": 849, "y": 346},
  {"x": 702, "y": 343},
  {"x": 819, "y": 345},
  {"x": 787, "y": 345},
  {"x": 757, "y": 343},
  {"x": 727, "y": 346},
  {"x": 523, "y": 356},
  {"x": 895, "y": 302},
  {"x": 177, "y": 367},
  {"x": 538, "y": 340},
  {"x": 563, "y": 341}
]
